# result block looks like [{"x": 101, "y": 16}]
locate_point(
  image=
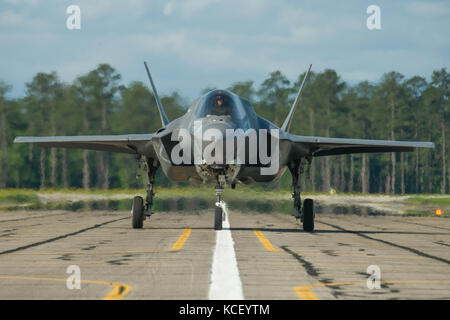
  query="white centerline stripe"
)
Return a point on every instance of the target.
[{"x": 225, "y": 281}]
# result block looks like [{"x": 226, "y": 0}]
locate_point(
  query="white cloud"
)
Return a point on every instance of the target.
[
  {"x": 101, "y": 8},
  {"x": 358, "y": 76},
  {"x": 17, "y": 21},
  {"x": 429, "y": 8},
  {"x": 187, "y": 8},
  {"x": 251, "y": 8},
  {"x": 207, "y": 41},
  {"x": 289, "y": 17},
  {"x": 11, "y": 18},
  {"x": 304, "y": 35},
  {"x": 182, "y": 45},
  {"x": 168, "y": 9},
  {"x": 23, "y": 2}
]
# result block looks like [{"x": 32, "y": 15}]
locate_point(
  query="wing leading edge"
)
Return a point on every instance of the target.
[
  {"x": 322, "y": 146},
  {"x": 130, "y": 143}
]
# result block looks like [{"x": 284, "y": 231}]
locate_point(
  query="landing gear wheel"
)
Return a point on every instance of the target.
[
  {"x": 308, "y": 215},
  {"x": 218, "y": 218},
  {"x": 138, "y": 213}
]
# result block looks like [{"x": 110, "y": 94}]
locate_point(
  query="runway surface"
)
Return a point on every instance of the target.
[{"x": 172, "y": 257}]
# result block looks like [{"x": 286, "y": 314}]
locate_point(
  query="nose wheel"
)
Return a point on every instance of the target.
[
  {"x": 218, "y": 213},
  {"x": 218, "y": 218}
]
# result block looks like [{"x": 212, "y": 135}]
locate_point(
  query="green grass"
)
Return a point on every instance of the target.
[
  {"x": 428, "y": 213},
  {"x": 441, "y": 200},
  {"x": 167, "y": 199},
  {"x": 245, "y": 198},
  {"x": 17, "y": 196},
  {"x": 203, "y": 191}
]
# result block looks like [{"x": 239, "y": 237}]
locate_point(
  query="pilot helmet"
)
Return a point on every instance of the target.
[{"x": 219, "y": 101}]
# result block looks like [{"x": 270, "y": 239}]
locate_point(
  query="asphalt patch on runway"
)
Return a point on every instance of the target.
[
  {"x": 60, "y": 237},
  {"x": 309, "y": 267},
  {"x": 415, "y": 251},
  {"x": 313, "y": 271}
]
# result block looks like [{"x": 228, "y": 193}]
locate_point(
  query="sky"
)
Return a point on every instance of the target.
[{"x": 194, "y": 44}]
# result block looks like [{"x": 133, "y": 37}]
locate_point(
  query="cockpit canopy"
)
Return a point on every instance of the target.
[{"x": 220, "y": 103}]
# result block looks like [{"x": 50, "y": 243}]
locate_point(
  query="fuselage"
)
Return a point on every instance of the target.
[{"x": 221, "y": 137}]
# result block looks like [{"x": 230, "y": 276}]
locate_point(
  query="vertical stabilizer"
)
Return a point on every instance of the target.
[
  {"x": 164, "y": 119},
  {"x": 287, "y": 122}
]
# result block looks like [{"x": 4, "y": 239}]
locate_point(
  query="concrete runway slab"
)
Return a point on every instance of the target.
[{"x": 171, "y": 257}]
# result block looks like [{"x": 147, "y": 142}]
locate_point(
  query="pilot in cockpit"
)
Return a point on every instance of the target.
[
  {"x": 220, "y": 106},
  {"x": 219, "y": 101}
]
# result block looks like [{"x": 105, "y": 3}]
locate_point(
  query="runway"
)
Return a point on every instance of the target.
[{"x": 172, "y": 257}]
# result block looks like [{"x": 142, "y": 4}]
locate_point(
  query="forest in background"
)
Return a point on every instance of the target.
[{"x": 395, "y": 108}]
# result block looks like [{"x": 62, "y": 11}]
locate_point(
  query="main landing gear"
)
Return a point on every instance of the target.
[
  {"x": 306, "y": 214},
  {"x": 141, "y": 210}
]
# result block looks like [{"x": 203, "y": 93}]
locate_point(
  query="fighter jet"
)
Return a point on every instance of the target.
[{"x": 220, "y": 140}]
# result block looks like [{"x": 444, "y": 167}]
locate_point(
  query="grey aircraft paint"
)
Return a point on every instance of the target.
[{"x": 234, "y": 113}]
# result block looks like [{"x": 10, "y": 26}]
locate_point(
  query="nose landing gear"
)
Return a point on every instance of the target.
[{"x": 219, "y": 215}]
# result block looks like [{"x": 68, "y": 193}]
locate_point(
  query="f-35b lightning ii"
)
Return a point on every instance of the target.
[{"x": 221, "y": 140}]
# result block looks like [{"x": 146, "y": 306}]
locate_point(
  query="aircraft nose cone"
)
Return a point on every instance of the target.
[
  {"x": 209, "y": 139},
  {"x": 216, "y": 125}
]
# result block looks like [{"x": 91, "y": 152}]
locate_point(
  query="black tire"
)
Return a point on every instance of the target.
[
  {"x": 308, "y": 215},
  {"x": 138, "y": 213},
  {"x": 218, "y": 218}
]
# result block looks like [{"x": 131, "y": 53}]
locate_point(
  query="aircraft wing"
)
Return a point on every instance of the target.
[
  {"x": 321, "y": 146},
  {"x": 129, "y": 143}
]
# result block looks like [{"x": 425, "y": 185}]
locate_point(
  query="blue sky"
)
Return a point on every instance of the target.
[{"x": 193, "y": 44}]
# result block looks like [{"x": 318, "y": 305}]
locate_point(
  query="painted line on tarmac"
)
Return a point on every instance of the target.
[
  {"x": 270, "y": 247},
  {"x": 117, "y": 293},
  {"x": 181, "y": 240},
  {"x": 415, "y": 251},
  {"x": 225, "y": 281},
  {"x": 178, "y": 245},
  {"x": 64, "y": 236},
  {"x": 306, "y": 293},
  {"x": 32, "y": 217},
  {"x": 265, "y": 242}
]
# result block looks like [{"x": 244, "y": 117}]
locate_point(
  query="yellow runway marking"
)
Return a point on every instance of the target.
[
  {"x": 269, "y": 247},
  {"x": 117, "y": 293},
  {"x": 265, "y": 242},
  {"x": 181, "y": 240},
  {"x": 305, "y": 292},
  {"x": 119, "y": 290},
  {"x": 178, "y": 245},
  {"x": 90, "y": 252}
]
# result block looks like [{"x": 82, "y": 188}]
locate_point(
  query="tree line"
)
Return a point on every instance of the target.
[{"x": 395, "y": 108}]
